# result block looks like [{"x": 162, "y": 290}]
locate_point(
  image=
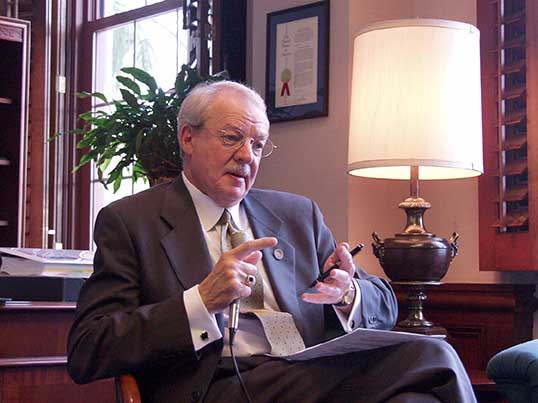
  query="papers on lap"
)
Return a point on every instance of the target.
[
  {"x": 46, "y": 262},
  {"x": 357, "y": 340}
]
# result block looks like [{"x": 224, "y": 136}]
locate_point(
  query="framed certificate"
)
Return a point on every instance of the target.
[{"x": 297, "y": 68}]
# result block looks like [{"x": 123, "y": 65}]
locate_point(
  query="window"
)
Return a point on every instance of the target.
[
  {"x": 508, "y": 195},
  {"x": 112, "y": 7},
  {"x": 96, "y": 38},
  {"x": 75, "y": 41},
  {"x": 156, "y": 43}
]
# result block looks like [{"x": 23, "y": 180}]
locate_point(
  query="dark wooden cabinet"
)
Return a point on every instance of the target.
[
  {"x": 481, "y": 320},
  {"x": 14, "y": 79},
  {"x": 33, "y": 356}
]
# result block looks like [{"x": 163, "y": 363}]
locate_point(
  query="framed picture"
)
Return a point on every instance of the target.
[{"x": 297, "y": 68}]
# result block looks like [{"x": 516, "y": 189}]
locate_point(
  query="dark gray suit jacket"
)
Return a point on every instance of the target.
[{"x": 150, "y": 248}]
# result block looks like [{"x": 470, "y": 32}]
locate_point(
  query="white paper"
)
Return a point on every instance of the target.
[
  {"x": 357, "y": 340},
  {"x": 296, "y": 64},
  {"x": 46, "y": 262},
  {"x": 67, "y": 256}
]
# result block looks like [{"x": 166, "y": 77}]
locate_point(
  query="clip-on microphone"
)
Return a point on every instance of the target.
[
  {"x": 233, "y": 319},
  {"x": 233, "y": 323}
]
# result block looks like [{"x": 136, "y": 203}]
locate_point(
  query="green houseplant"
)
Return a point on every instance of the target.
[{"x": 140, "y": 131}]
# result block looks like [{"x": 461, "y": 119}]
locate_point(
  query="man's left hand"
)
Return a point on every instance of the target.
[{"x": 333, "y": 288}]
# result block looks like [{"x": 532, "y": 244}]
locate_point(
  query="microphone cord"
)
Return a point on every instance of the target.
[{"x": 237, "y": 372}]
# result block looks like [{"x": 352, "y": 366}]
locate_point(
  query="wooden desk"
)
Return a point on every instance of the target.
[
  {"x": 481, "y": 320},
  {"x": 33, "y": 339}
]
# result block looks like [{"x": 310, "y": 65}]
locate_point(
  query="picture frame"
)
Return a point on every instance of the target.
[{"x": 297, "y": 64}]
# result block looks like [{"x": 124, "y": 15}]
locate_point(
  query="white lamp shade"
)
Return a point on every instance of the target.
[{"x": 415, "y": 100}]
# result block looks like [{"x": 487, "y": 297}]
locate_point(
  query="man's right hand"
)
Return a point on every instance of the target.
[{"x": 228, "y": 279}]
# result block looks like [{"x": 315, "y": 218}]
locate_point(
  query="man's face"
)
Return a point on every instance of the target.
[{"x": 222, "y": 173}]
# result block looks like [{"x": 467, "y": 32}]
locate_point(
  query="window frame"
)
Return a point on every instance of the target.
[
  {"x": 66, "y": 206},
  {"x": 80, "y": 208}
]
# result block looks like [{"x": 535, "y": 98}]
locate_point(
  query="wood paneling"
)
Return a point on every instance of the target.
[
  {"x": 508, "y": 190},
  {"x": 33, "y": 357},
  {"x": 38, "y": 130},
  {"x": 46, "y": 384}
]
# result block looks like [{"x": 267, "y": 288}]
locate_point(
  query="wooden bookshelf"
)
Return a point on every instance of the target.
[{"x": 14, "y": 79}]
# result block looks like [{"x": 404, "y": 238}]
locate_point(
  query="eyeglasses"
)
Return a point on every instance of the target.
[{"x": 234, "y": 139}]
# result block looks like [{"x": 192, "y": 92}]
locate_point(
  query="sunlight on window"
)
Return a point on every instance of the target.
[
  {"x": 156, "y": 48},
  {"x": 111, "y": 7},
  {"x": 157, "y": 45},
  {"x": 114, "y": 49}
]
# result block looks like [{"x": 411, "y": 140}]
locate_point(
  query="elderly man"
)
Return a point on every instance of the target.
[{"x": 169, "y": 264}]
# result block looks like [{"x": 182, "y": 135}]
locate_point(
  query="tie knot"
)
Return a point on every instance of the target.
[{"x": 225, "y": 218}]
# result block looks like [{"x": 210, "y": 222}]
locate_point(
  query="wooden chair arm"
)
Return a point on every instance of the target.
[{"x": 127, "y": 389}]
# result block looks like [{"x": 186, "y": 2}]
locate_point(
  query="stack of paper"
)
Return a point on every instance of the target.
[
  {"x": 46, "y": 262},
  {"x": 357, "y": 340}
]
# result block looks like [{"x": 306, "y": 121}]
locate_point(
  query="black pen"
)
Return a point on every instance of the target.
[{"x": 325, "y": 274}]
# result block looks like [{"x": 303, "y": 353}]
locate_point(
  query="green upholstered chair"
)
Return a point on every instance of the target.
[{"x": 515, "y": 372}]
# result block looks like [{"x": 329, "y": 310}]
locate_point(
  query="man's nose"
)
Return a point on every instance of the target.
[{"x": 244, "y": 153}]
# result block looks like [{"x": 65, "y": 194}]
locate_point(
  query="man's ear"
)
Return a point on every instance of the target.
[{"x": 185, "y": 136}]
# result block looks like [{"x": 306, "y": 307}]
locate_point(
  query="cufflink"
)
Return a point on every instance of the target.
[
  {"x": 278, "y": 254},
  {"x": 204, "y": 336}
]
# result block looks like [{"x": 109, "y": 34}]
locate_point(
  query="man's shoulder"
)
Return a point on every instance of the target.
[
  {"x": 138, "y": 201},
  {"x": 288, "y": 206},
  {"x": 277, "y": 197}
]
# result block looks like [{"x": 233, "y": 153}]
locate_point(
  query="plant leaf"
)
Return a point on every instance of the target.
[
  {"x": 117, "y": 183},
  {"x": 142, "y": 76},
  {"x": 85, "y": 94},
  {"x": 129, "y": 98},
  {"x": 127, "y": 82},
  {"x": 85, "y": 159}
]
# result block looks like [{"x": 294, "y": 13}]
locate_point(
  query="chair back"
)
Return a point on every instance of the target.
[{"x": 127, "y": 389}]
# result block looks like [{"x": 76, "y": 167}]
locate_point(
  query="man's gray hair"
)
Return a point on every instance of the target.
[{"x": 196, "y": 106}]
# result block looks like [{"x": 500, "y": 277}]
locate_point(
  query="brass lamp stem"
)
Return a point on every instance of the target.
[
  {"x": 414, "y": 188},
  {"x": 414, "y": 207}
]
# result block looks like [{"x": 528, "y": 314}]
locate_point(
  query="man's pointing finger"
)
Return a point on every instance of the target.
[{"x": 245, "y": 249}]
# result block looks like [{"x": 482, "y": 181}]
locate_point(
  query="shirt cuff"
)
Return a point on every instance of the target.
[
  {"x": 353, "y": 320},
  {"x": 203, "y": 325}
]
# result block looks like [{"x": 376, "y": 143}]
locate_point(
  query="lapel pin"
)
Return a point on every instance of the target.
[{"x": 278, "y": 254}]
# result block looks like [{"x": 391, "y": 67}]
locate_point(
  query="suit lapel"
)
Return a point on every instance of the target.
[
  {"x": 185, "y": 244},
  {"x": 280, "y": 265},
  {"x": 189, "y": 257}
]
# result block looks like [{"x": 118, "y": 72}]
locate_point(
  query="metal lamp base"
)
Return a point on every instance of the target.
[
  {"x": 415, "y": 259},
  {"x": 415, "y": 321}
]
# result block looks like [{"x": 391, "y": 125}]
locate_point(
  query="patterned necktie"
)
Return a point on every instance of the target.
[{"x": 279, "y": 327}]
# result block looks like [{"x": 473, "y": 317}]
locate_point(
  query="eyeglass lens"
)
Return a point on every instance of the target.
[{"x": 236, "y": 139}]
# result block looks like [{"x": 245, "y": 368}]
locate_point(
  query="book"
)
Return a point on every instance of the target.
[{"x": 46, "y": 262}]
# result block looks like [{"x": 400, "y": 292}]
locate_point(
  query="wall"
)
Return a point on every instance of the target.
[
  {"x": 312, "y": 154},
  {"x": 454, "y": 203},
  {"x": 373, "y": 203}
]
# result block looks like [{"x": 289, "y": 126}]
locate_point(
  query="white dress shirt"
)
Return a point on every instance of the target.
[{"x": 250, "y": 338}]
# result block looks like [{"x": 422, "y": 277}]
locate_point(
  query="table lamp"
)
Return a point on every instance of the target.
[{"x": 416, "y": 114}]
